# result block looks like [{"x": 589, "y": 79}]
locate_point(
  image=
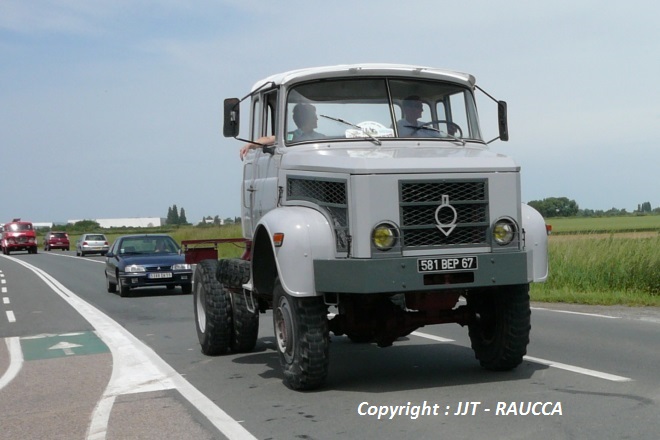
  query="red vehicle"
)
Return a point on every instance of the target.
[
  {"x": 56, "y": 240},
  {"x": 18, "y": 235}
]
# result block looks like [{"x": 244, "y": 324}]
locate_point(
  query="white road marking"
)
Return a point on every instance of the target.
[
  {"x": 10, "y": 316},
  {"x": 5, "y": 300},
  {"x": 596, "y": 315},
  {"x": 4, "y": 290},
  {"x": 66, "y": 347},
  {"x": 579, "y": 370},
  {"x": 136, "y": 368},
  {"x": 572, "y": 368},
  {"x": 15, "y": 361},
  {"x": 432, "y": 337},
  {"x": 78, "y": 258}
]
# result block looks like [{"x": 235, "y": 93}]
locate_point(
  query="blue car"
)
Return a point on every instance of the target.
[{"x": 146, "y": 260}]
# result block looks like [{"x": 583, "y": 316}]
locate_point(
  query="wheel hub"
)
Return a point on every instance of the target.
[{"x": 284, "y": 332}]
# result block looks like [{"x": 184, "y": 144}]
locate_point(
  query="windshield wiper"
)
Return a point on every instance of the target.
[
  {"x": 373, "y": 138},
  {"x": 428, "y": 127}
]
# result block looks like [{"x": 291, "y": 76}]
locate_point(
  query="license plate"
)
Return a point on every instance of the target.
[
  {"x": 158, "y": 275},
  {"x": 447, "y": 264}
]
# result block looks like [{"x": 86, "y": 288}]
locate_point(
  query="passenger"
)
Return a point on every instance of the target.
[
  {"x": 262, "y": 141},
  {"x": 304, "y": 116}
]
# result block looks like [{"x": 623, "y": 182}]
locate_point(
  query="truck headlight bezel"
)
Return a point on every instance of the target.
[
  {"x": 504, "y": 231},
  {"x": 385, "y": 236}
]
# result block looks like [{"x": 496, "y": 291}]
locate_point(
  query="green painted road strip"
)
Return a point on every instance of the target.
[{"x": 63, "y": 345}]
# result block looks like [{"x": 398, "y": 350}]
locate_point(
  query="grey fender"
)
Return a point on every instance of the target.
[
  {"x": 536, "y": 244},
  {"x": 307, "y": 236}
]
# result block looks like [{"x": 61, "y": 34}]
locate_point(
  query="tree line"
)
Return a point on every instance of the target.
[
  {"x": 563, "y": 207},
  {"x": 175, "y": 216}
]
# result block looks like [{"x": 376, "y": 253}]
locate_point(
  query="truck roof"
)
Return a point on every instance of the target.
[{"x": 368, "y": 69}]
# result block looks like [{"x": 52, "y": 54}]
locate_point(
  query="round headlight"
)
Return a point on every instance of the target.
[
  {"x": 503, "y": 232},
  {"x": 384, "y": 236}
]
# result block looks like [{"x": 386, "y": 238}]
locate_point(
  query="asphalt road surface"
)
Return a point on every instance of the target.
[{"x": 77, "y": 362}]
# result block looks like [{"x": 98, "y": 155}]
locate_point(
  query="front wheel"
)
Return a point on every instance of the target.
[
  {"x": 301, "y": 332},
  {"x": 110, "y": 286},
  {"x": 211, "y": 305},
  {"x": 124, "y": 290},
  {"x": 500, "y": 330}
]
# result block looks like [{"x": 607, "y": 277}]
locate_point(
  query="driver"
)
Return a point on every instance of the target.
[
  {"x": 410, "y": 126},
  {"x": 161, "y": 246}
]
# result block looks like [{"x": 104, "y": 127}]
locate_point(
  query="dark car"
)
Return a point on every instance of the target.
[
  {"x": 56, "y": 240},
  {"x": 146, "y": 260}
]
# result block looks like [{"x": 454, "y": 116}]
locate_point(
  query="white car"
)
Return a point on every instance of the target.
[{"x": 92, "y": 244}]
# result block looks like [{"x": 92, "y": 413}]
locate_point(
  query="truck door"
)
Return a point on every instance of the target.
[{"x": 260, "y": 169}]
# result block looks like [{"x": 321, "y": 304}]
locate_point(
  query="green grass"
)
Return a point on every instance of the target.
[
  {"x": 606, "y": 270},
  {"x": 579, "y": 225}
]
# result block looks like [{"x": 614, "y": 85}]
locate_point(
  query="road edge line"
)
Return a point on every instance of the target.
[{"x": 15, "y": 361}]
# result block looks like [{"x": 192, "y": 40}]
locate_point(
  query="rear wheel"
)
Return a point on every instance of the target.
[
  {"x": 232, "y": 274},
  {"x": 211, "y": 306},
  {"x": 301, "y": 333},
  {"x": 500, "y": 331}
]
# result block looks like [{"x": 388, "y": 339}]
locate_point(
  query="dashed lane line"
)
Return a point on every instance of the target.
[
  {"x": 570, "y": 312},
  {"x": 559, "y": 365}
]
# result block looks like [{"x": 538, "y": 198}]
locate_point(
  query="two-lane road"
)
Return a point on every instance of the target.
[{"x": 589, "y": 373}]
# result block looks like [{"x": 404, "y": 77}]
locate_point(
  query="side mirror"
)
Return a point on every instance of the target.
[
  {"x": 502, "y": 120},
  {"x": 232, "y": 117},
  {"x": 109, "y": 254}
]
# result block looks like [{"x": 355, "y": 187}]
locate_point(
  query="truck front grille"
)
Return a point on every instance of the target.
[
  {"x": 426, "y": 210},
  {"x": 328, "y": 194}
]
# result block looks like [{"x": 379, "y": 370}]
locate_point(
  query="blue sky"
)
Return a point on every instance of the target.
[{"x": 113, "y": 108}]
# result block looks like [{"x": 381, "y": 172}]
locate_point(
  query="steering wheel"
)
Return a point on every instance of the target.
[{"x": 452, "y": 127}]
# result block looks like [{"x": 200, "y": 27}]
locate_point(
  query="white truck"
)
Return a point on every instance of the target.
[{"x": 372, "y": 206}]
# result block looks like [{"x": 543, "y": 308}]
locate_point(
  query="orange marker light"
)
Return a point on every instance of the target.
[{"x": 278, "y": 239}]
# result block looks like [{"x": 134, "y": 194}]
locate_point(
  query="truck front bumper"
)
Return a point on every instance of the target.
[{"x": 397, "y": 275}]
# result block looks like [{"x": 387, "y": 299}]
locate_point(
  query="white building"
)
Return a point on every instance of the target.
[{"x": 135, "y": 222}]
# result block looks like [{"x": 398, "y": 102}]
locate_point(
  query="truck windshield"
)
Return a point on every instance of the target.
[
  {"x": 381, "y": 108},
  {"x": 16, "y": 227}
]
